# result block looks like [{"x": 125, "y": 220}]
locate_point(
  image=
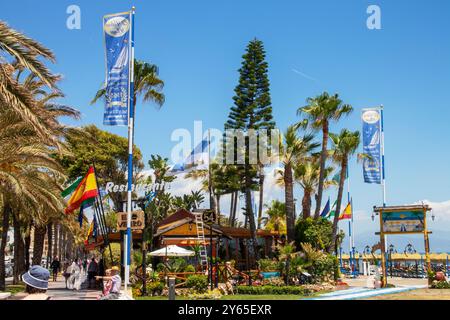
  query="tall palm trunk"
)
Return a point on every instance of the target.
[
  {"x": 338, "y": 204},
  {"x": 60, "y": 242},
  {"x": 5, "y": 228},
  {"x": 56, "y": 240},
  {"x": 38, "y": 245},
  {"x": 323, "y": 160},
  {"x": 49, "y": 243},
  {"x": 19, "y": 257},
  {"x": 27, "y": 247},
  {"x": 289, "y": 201},
  {"x": 261, "y": 194},
  {"x": 306, "y": 204}
]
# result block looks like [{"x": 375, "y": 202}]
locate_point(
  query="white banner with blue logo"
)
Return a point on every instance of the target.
[
  {"x": 372, "y": 134},
  {"x": 116, "y": 29}
]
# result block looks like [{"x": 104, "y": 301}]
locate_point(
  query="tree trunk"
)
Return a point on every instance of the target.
[
  {"x": 236, "y": 198},
  {"x": 289, "y": 201},
  {"x": 56, "y": 240},
  {"x": 5, "y": 228},
  {"x": 60, "y": 242},
  {"x": 323, "y": 160},
  {"x": 49, "y": 243},
  {"x": 249, "y": 210},
  {"x": 218, "y": 206},
  {"x": 38, "y": 245},
  {"x": 306, "y": 204},
  {"x": 261, "y": 194},
  {"x": 338, "y": 204},
  {"x": 230, "y": 222},
  {"x": 27, "y": 247},
  {"x": 19, "y": 258}
]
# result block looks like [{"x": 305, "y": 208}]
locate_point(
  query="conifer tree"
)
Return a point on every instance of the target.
[{"x": 252, "y": 109}]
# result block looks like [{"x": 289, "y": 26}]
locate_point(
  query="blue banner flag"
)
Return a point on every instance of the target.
[
  {"x": 326, "y": 210},
  {"x": 372, "y": 165},
  {"x": 116, "y": 29}
]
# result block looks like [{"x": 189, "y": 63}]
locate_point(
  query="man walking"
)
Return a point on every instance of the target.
[
  {"x": 55, "y": 266},
  {"x": 92, "y": 273}
]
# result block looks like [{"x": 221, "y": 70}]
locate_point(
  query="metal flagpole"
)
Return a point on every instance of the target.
[
  {"x": 128, "y": 236},
  {"x": 350, "y": 231},
  {"x": 383, "y": 172}
]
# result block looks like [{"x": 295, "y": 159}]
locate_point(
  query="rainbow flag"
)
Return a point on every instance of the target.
[
  {"x": 87, "y": 189},
  {"x": 347, "y": 213}
]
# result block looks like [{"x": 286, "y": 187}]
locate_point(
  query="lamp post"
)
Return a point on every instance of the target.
[{"x": 391, "y": 250}]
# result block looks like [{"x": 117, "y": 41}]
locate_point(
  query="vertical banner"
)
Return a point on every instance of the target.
[
  {"x": 116, "y": 29},
  {"x": 372, "y": 166}
]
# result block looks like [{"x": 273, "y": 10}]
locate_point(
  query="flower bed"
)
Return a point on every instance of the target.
[{"x": 268, "y": 290}]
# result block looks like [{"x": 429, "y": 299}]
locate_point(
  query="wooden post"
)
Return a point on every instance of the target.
[
  {"x": 383, "y": 250},
  {"x": 427, "y": 241}
]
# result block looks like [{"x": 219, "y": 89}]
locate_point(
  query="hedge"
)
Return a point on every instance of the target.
[{"x": 266, "y": 290}]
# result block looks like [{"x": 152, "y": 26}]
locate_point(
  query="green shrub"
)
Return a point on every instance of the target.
[
  {"x": 197, "y": 282},
  {"x": 440, "y": 285},
  {"x": 155, "y": 288},
  {"x": 319, "y": 233},
  {"x": 268, "y": 265},
  {"x": 189, "y": 268},
  {"x": 324, "y": 267},
  {"x": 273, "y": 290}
]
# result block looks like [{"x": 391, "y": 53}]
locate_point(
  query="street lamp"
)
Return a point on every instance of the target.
[{"x": 391, "y": 250}]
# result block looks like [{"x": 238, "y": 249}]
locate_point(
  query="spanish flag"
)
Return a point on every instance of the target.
[
  {"x": 347, "y": 213},
  {"x": 87, "y": 189}
]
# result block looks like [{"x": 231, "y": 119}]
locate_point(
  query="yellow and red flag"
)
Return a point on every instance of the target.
[
  {"x": 87, "y": 189},
  {"x": 347, "y": 213}
]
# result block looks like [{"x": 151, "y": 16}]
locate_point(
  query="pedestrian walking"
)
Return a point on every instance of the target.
[
  {"x": 92, "y": 273},
  {"x": 56, "y": 267}
]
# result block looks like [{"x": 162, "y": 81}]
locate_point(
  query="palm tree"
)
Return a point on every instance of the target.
[
  {"x": 276, "y": 216},
  {"x": 307, "y": 175},
  {"x": 344, "y": 146},
  {"x": 147, "y": 84},
  {"x": 318, "y": 112},
  {"x": 293, "y": 150}
]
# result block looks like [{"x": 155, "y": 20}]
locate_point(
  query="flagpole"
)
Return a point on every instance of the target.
[
  {"x": 383, "y": 172},
  {"x": 128, "y": 237}
]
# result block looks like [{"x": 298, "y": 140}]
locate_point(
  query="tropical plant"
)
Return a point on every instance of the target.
[
  {"x": 306, "y": 174},
  {"x": 318, "y": 113},
  {"x": 344, "y": 146},
  {"x": 318, "y": 233},
  {"x": 276, "y": 217},
  {"x": 147, "y": 84},
  {"x": 293, "y": 150}
]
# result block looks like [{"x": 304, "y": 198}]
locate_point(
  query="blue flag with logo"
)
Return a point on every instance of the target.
[
  {"x": 372, "y": 166},
  {"x": 116, "y": 29}
]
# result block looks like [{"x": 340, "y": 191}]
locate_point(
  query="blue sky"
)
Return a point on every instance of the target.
[{"x": 311, "y": 46}]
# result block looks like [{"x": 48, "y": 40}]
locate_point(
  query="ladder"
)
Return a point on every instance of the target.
[{"x": 201, "y": 240}]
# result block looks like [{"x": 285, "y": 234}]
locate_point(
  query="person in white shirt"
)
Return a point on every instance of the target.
[{"x": 116, "y": 283}]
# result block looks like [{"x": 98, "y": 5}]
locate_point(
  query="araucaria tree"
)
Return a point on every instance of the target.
[{"x": 252, "y": 110}]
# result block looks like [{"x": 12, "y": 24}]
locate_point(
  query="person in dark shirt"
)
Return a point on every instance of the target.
[{"x": 55, "y": 266}]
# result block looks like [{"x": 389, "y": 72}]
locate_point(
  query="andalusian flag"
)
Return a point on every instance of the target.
[
  {"x": 86, "y": 189},
  {"x": 347, "y": 213}
]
